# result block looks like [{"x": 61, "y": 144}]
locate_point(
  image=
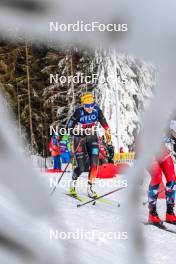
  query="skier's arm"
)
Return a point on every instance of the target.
[
  {"x": 102, "y": 120},
  {"x": 73, "y": 122},
  {"x": 104, "y": 124}
]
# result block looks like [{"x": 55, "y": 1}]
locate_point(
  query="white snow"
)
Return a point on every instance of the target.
[{"x": 160, "y": 245}]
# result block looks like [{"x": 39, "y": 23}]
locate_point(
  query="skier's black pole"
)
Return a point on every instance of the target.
[
  {"x": 101, "y": 196},
  {"x": 59, "y": 178},
  {"x": 65, "y": 168},
  {"x": 146, "y": 202}
]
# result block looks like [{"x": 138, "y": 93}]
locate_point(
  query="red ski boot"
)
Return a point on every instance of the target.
[
  {"x": 170, "y": 216},
  {"x": 153, "y": 216}
]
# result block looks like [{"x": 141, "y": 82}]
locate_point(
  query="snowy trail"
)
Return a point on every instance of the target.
[{"x": 103, "y": 218}]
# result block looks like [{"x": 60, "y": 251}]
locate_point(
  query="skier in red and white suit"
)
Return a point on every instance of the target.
[{"x": 163, "y": 165}]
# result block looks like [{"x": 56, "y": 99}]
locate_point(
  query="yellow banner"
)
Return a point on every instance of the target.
[{"x": 124, "y": 157}]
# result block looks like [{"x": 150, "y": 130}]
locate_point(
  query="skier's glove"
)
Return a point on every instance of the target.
[{"x": 108, "y": 137}]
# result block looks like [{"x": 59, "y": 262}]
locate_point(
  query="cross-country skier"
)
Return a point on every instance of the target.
[
  {"x": 86, "y": 117},
  {"x": 65, "y": 149},
  {"x": 164, "y": 165},
  {"x": 55, "y": 151}
]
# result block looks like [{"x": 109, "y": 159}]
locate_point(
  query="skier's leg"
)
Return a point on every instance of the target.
[
  {"x": 168, "y": 169},
  {"x": 55, "y": 162},
  {"x": 59, "y": 163},
  {"x": 156, "y": 178},
  {"x": 64, "y": 158},
  {"x": 79, "y": 157},
  {"x": 80, "y": 165},
  {"x": 67, "y": 157},
  {"x": 87, "y": 164},
  {"x": 93, "y": 152}
]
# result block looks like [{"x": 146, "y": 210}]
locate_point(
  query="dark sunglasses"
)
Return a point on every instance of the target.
[{"x": 89, "y": 105}]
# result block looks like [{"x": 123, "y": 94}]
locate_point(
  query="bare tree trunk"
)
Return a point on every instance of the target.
[
  {"x": 71, "y": 91},
  {"x": 72, "y": 84},
  {"x": 29, "y": 97},
  {"x": 52, "y": 106},
  {"x": 46, "y": 133},
  {"x": 19, "y": 114},
  {"x": 68, "y": 91}
]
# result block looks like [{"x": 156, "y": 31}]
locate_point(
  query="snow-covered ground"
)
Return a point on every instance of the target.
[{"x": 102, "y": 220}]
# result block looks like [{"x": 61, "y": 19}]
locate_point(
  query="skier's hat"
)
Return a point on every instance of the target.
[{"x": 87, "y": 98}]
